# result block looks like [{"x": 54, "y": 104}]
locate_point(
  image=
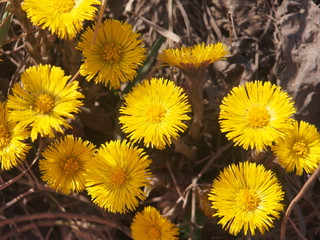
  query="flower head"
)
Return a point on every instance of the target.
[
  {"x": 115, "y": 55},
  {"x": 154, "y": 112},
  {"x": 65, "y": 162},
  {"x": 195, "y": 57},
  {"x": 150, "y": 225},
  {"x": 300, "y": 149},
  {"x": 117, "y": 175},
  {"x": 12, "y": 149},
  {"x": 246, "y": 196},
  {"x": 44, "y": 100},
  {"x": 256, "y": 114},
  {"x": 63, "y": 18}
]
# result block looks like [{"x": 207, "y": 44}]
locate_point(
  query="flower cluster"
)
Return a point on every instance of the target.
[
  {"x": 155, "y": 113},
  {"x": 42, "y": 104},
  {"x": 258, "y": 115}
]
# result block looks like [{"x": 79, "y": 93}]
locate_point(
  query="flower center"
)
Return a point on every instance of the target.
[
  {"x": 155, "y": 114},
  {"x": 258, "y": 117},
  {"x": 4, "y": 136},
  {"x": 247, "y": 200},
  {"x": 63, "y": 6},
  {"x": 43, "y": 104},
  {"x": 70, "y": 166},
  {"x": 118, "y": 177},
  {"x": 300, "y": 149},
  {"x": 111, "y": 53},
  {"x": 154, "y": 233}
]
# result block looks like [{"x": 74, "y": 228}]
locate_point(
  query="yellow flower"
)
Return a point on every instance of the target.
[
  {"x": 117, "y": 175},
  {"x": 63, "y": 18},
  {"x": 256, "y": 114},
  {"x": 195, "y": 57},
  {"x": 44, "y": 100},
  {"x": 12, "y": 149},
  {"x": 150, "y": 225},
  {"x": 115, "y": 55},
  {"x": 65, "y": 162},
  {"x": 300, "y": 149},
  {"x": 154, "y": 112},
  {"x": 246, "y": 196}
]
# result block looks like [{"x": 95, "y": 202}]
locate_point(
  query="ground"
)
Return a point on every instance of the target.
[{"x": 275, "y": 41}]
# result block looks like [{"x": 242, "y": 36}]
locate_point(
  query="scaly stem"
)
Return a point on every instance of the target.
[{"x": 196, "y": 80}]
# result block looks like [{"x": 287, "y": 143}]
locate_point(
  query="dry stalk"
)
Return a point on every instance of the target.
[{"x": 294, "y": 201}]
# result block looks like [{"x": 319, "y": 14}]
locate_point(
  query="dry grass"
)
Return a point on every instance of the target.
[{"x": 268, "y": 40}]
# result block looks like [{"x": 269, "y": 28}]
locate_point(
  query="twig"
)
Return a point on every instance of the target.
[
  {"x": 33, "y": 45},
  {"x": 16, "y": 199},
  {"x": 297, "y": 230},
  {"x": 193, "y": 186},
  {"x": 193, "y": 208},
  {"x": 214, "y": 157},
  {"x": 164, "y": 32},
  {"x": 170, "y": 17},
  {"x": 184, "y": 149},
  {"x": 48, "y": 223},
  {"x": 29, "y": 174},
  {"x": 184, "y": 196},
  {"x": 33, "y": 179},
  {"x": 174, "y": 181},
  {"x": 214, "y": 25},
  {"x": 16, "y": 178},
  {"x": 74, "y": 77},
  {"x": 13, "y": 180},
  {"x": 96, "y": 30},
  {"x": 81, "y": 217},
  {"x": 185, "y": 17},
  {"x": 35, "y": 226},
  {"x": 303, "y": 190},
  {"x": 256, "y": 59},
  {"x": 232, "y": 30}
]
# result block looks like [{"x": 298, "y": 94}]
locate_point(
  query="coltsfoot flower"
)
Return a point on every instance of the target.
[
  {"x": 65, "y": 163},
  {"x": 62, "y": 17},
  {"x": 154, "y": 112},
  {"x": 300, "y": 149},
  {"x": 13, "y": 149},
  {"x": 44, "y": 100},
  {"x": 256, "y": 114},
  {"x": 195, "y": 57},
  {"x": 117, "y": 175},
  {"x": 150, "y": 225},
  {"x": 114, "y": 57},
  {"x": 246, "y": 197}
]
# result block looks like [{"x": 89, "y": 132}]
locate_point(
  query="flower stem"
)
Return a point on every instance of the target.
[
  {"x": 196, "y": 80},
  {"x": 197, "y": 105}
]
